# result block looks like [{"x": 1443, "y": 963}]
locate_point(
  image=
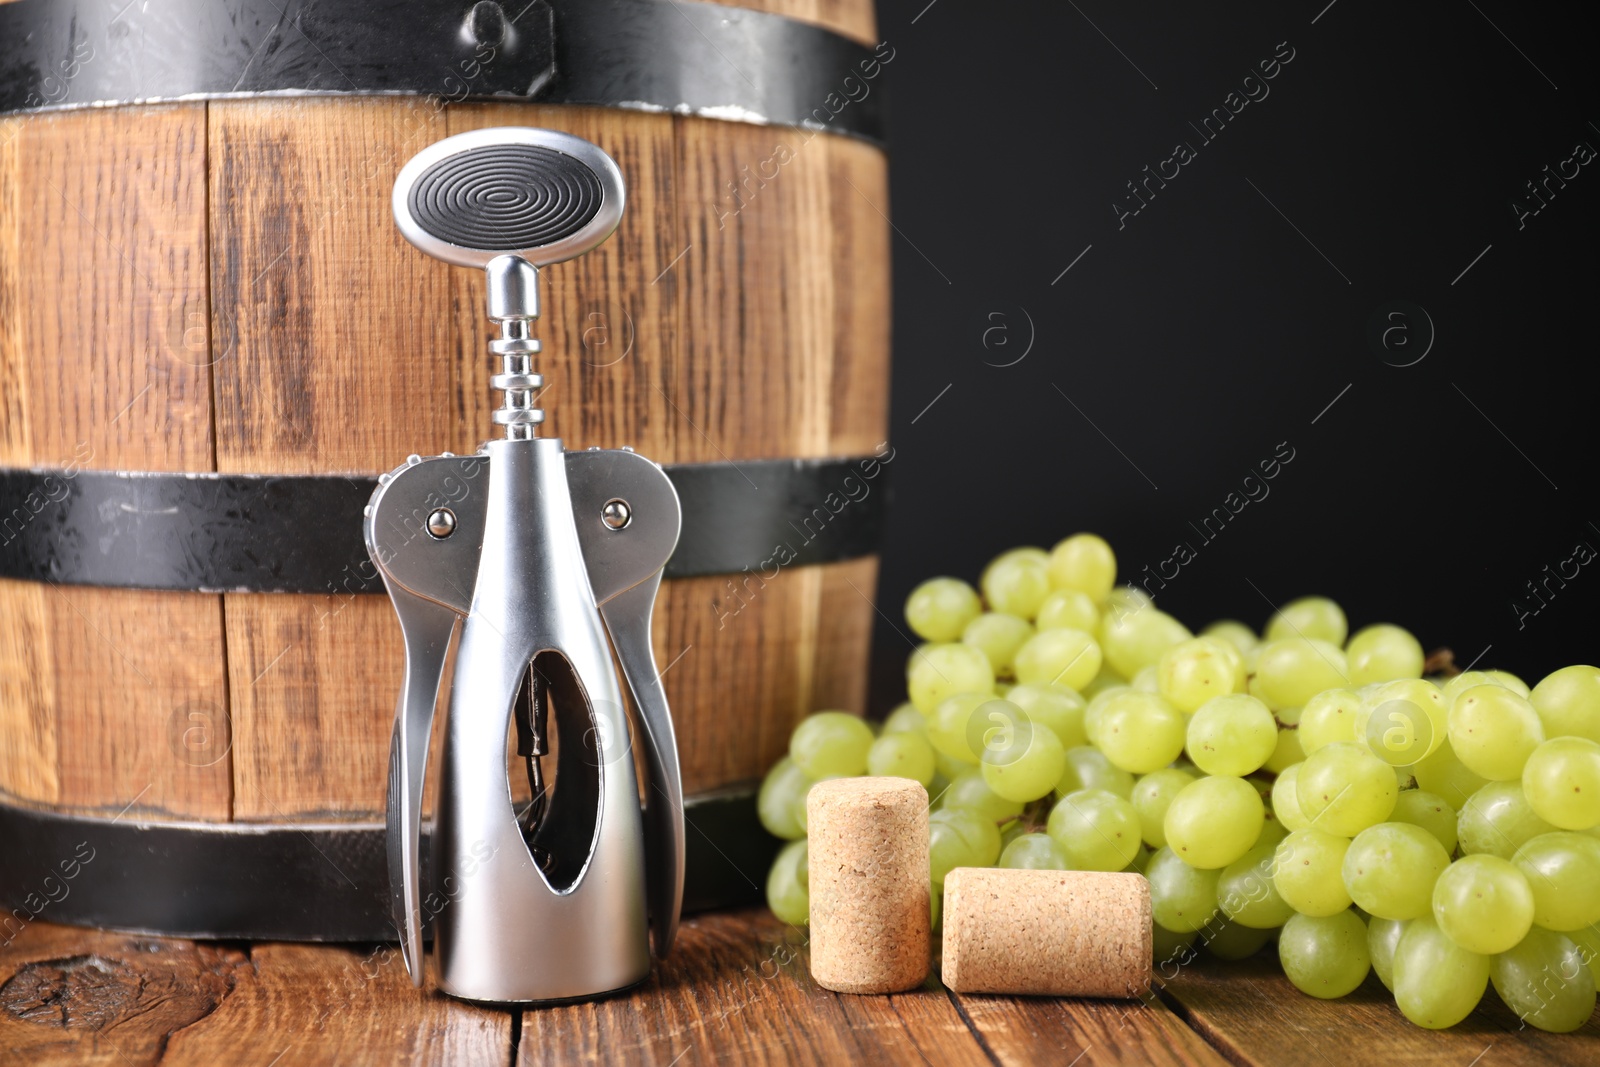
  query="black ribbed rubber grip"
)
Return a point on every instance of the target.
[{"x": 507, "y": 198}]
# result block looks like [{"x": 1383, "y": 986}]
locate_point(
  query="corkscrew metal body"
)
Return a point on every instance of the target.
[{"x": 541, "y": 565}]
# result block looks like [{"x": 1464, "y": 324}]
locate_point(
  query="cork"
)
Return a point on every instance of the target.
[
  {"x": 1056, "y": 933},
  {"x": 869, "y": 884}
]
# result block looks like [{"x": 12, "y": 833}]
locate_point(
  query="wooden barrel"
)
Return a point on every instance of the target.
[{"x": 217, "y": 285}]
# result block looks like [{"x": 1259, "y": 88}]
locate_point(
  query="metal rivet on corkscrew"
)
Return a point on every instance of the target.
[
  {"x": 616, "y": 514},
  {"x": 442, "y": 523},
  {"x": 549, "y": 898}
]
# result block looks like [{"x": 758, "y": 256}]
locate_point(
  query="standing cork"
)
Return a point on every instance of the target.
[
  {"x": 1057, "y": 933},
  {"x": 869, "y": 884}
]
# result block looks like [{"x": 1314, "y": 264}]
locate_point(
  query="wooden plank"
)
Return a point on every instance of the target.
[
  {"x": 1251, "y": 1012},
  {"x": 1029, "y": 1030},
  {"x": 323, "y": 365},
  {"x": 738, "y": 988},
  {"x": 70, "y": 996},
  {"x": 104, "y": 363},
  {"x": 858, "y": 195},
  {"x": 315, "y": 1005}
]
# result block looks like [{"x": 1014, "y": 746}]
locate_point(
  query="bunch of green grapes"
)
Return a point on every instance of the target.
[{"x": 1304, "y": 786}]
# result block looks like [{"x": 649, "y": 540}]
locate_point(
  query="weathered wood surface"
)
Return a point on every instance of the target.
[
  {"x": 1251, "y": 1012},
  {"x": 737, "y": 989}
]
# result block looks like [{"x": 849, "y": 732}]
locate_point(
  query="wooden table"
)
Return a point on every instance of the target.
[{"x": 737, "y": 990}]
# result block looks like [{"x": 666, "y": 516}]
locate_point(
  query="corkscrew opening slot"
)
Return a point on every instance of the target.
[{"x": 554, "y": 761}]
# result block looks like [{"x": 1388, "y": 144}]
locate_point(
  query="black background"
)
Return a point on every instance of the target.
[{"x": 1207, "y": 330}]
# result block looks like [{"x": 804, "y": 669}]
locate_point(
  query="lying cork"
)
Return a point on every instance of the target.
[
  {"x": 869, "y": 884},
  {"x": 1057, "y": 933}
]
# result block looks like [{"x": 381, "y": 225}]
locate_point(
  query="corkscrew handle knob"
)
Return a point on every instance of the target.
[{"x": 510, "y": 200}]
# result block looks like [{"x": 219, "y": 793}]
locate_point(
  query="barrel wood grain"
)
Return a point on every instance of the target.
[
  {"x": 848, "y": 17},
  {"x": 263, "y": 318},
  {"x": 105, "y": 364}
]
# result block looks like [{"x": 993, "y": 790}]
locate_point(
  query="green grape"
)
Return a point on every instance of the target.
[
  {"x": 1068, "y": 609},
  {"x": 1286, "y": 799},
  {"x": 935, "y": 905},
  {"x": 905, "y": 719},
  {"x": 1510, "y": 681},
  {"x": 1543, "y": 979},
  {"x": 1016, "y": 585},
  {"x": 1140, "y": 861},
  {"x": 1214, "y": 821},
  {"x": 1023, "y": 762},
  {"x": 1097, "y": 830},
  {"x": 1088, "y": 768},
  {"x": 1125, "y": 600},
  {"x": 1027, "y": 552},
  {"x": 1058, "y": 657},
  {"x": 949, "y": 768},
  {"x": 1562, "y": 782},
  {"x": 958, "y": 837},
  {"x": 1197, "y": 670},
  {"x": 1390, "y": 870},
  {"x": 1183, "y": 899},
  {"x": 1484, "y": 903},
  {"x": 1383, "y": 937},
  {"x": 1292, "y": 670},
  {"x": 1308, "y": 872},
  {"x": 903, "y": 755},
  {"x": 939, "y": 608},
  {"x": 1563, "y": 871},
  {"x": 1494, "y": 731},
  {"x": 1437, "y": 983},
  {"x": 1466, "y": 680},
  {"x": 1329, "y": 716},
  {"x": 1383, "y": 652},
  {"x": 1429, "y": 812},
  {"x": 1034, "y": 852},
  {"x": 970, "y": 792},
  {"x": 1310, "y": 616},
  {"x": 1588, "y": 942},
  {"x": 1246, "y": 892},
  {"x": 789, "y": 885},
  {"x": 1441, "y": 774},
  {"x": 1235, "y": 633},
  {"x": 1286, "y": 751},
  {"x": 830, "y": 744},
  {"x": 1140, "y": 732},
  {"x": 940, "y": 671},
  {"x": 1095, "y": 709},
  {"x": 1235, "y": 941},
  {"x": 1568, "y": 702},
  {"x": 956, "y": 723},
  {"x": 1325, "y": 956},
  {"x": 1231, "y": 735},
  {"x": 1134, "y": 640},
  {"x": 1056, "y": 707},
  {"x": 1086, "y": 563},
  {"x": 782, "y": 795},
  {"x": 1152, "y": 795},
  {"x": 1497, "y": 820},
  {"x": 998, "y": 636},
  {"x": 1343, "y": 788},
  {"x": 1170, "y": 951},
  {"x": 1107, "y": 679},
  {"x": 1146, "y": 681},
  {"x": 1403, "y": 721}
]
